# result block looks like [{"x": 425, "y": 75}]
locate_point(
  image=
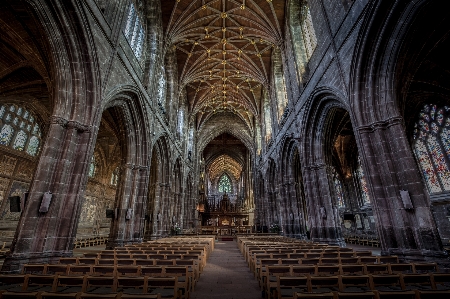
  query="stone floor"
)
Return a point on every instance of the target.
[{"x": 226, "y": 275}]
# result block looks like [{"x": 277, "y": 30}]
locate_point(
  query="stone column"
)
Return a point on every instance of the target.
[
  {"x": 389, "y": 166},
  {"x": 62, "y": 169},
  {"x": 323, "y": 225},
  {"x": 128, "y": 226}
]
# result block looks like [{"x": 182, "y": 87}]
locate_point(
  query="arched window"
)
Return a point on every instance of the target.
[
  {"x": 115, "y": 177},
  {"x": 364, "y": 191},
  {"x": 134, "y": 31},
  {"x": 92, "y": 167},
  {"x": 19, "y": 129},
  {"x": 303, "y": 35},
  {"x": 309, "y": 35},
  {"x": 180, "y": 121},
  {"x": 224, "y": 184},
  {"x": 162, "y": 89},
  {"x": 432, "y": 147},
  {"x": 337, "y": 183},
  {"x": 267, "y": 118}
]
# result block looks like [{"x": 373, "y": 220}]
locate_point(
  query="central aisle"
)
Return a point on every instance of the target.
[{"x": 226, "y": 275}]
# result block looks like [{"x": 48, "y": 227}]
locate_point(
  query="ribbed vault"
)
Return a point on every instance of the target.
[
  {"x": 224, "y": 164},
  {"x": 224, "y": 50}
]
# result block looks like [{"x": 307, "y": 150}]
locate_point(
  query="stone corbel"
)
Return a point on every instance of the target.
[{"x": 70, "y": 124}]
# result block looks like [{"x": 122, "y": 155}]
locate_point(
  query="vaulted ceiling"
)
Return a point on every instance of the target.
[{"x": 224, "y": 52}]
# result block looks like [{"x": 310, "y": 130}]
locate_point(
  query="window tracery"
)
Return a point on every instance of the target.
[
  {"x": 115, "y": 176},
  {"x": 224, "y": 184},
  {"x": 337, "y": 183},
  {"x": 364, "y": 191},
  {"x": 19, "y": 129},
  {"x": 92, "y": 167},
  {"x": 303, "y": 35},
  {"x": 432, "y": 147},
  {"x": 134, "y": 31}
]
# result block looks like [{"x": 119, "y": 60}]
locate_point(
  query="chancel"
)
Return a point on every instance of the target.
[{"x": 247, "y": 147}]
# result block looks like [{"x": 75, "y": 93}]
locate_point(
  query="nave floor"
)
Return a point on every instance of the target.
[{"x": 226, "y": 275}]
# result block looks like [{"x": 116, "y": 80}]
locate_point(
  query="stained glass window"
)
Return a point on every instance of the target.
[
  {"x": 115, "y": 176},
  {"x": 6, "y": 134},
  {"x": 432, "y": 147},
  {"x": 225, "y": 184},
  {"x": 19, "y": 142},
  {"x": 91, "y": 173},
  {"x": 33, "y": 146},
  {"x": 364, "y": 191},
  {"x": 19, "y": 129},
  {"x": 309, "y": 35},
  {"x": 134, "y": 31},
  {"x": 338, "y": 188}
]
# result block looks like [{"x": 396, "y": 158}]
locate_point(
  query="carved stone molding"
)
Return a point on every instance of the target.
[
  {"x": 380, "y": 125},
  {"x": 316, "y": 166},
  {"x": 135, "y": 167}
]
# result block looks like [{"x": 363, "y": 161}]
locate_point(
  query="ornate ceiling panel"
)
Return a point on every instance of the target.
[
  {"x": 224, "y": 164},
  {"x": 224, "y": 50}
]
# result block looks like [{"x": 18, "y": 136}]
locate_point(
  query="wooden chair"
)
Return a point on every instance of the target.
[
  {"x": 354, "y": 283},
  {"x": 355, "y": 295},
  {"x": 69, "y": 284},
  {"x": 68, "y": 260},
  {"x": 12, "y": 281},
  {"x": 128, "y": 270},
  {"x": 59, "y": 269},
  {"x": 287, "y": 286},
  {"x": 327, "y": 270},
  {"x": 328, "y": 295},
  {"x": 416, "y": 282},
  {"x": 395, "y": 294},
  {"x": 401, "y": 268},
  {"x": 167, "y": 287},
  {"x": 132, "y": 285},
  {"x": 34, "y": 268},
  {"x": 80, "y": 269},
  {"x": 109, "y": 270},
  {"x": 388, "y": 259},
  {"x": 390, "y": 282},
  {"x": 100, "y": 284},
  {"x": 434, "y": 294},
  {"x": 323, "y": 284},
  {"x": 425, "y": 268},
  {"x": 34, "y": 282},
  {"x": 352, "y": 269},
  {"x": 441, "y": 281}
]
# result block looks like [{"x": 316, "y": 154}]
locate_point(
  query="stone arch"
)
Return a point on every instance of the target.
[
  {"x": 73, "y": 87},
  {"x": 177, "y": 206},
  {"x": 323, "y": 217},
  {"x": 224, "y": 128},
  {"x": 158, "y": 195},
  {"x": 292, "y": 194},
  {"x": 124, "y": 105},
  {"x": 384, "y": 64},
  {"x": 272, "y": 199}
]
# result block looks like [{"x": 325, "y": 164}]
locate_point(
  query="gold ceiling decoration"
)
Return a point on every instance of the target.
[
  {"x": 224, "y": 164},
  {"x": 224, "y": 40}
]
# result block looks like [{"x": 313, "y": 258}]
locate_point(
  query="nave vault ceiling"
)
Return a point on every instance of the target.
[{"x": 224, "y": 52}]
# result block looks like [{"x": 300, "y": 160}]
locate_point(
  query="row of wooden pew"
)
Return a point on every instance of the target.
[
  {"x": 285, "y": 269},
  {"x": 115, "y": 273}
]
